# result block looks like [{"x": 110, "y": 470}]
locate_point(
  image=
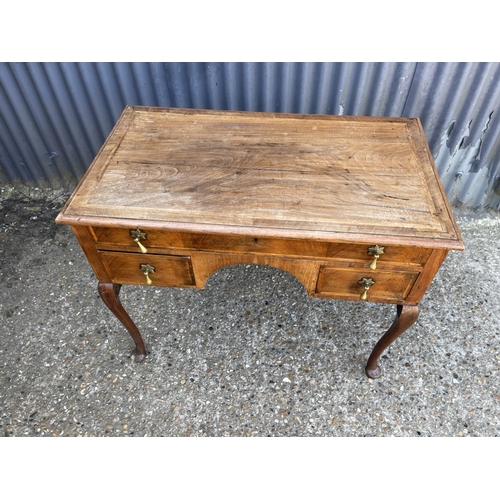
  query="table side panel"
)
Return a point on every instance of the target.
[
  {"x": 86, "y": 238},
  {"x": 425, "y": 278}
]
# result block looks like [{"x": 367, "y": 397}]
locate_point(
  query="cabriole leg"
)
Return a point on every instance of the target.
[
  {"x": 109, "y": 294},
  {"x": 406, "y": 316}
]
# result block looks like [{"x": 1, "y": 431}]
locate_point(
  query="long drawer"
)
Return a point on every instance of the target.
[{"x": 158, "y": 241}]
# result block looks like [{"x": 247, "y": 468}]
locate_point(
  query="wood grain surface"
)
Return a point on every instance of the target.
[{"x": 311, "y": 176}]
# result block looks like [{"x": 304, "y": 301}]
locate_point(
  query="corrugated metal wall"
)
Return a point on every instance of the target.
[{"x": 55, "y": 116}]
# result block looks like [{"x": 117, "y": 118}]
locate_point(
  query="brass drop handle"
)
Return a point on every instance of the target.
[
  {"x": 376, "y": 251},
  {"x": 367, "y": 283},
  {"x": 138, "y": 235},
  {"x": 147, "y": 269}
]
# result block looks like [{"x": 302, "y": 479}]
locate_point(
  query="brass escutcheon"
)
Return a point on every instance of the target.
[
  {"x": 367, "y": 283},
  {"x": 138, "y": 235},
  {"x": 147, "y": 269},
  {"x": 376, "y": 251}
]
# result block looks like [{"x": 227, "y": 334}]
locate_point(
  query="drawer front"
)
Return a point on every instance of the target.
[
  {"x": 159, "y": 241},
  {"x": 169, "y": 270},
  {"x": 342, "y": 283}
]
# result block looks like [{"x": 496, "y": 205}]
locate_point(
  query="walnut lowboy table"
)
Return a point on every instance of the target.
[{"x": 350, "y": 206}]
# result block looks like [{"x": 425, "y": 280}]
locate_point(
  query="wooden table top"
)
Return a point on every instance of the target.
[{"x": 334, "y": 178}]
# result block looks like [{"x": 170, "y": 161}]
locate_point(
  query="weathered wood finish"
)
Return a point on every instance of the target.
[
  {"x": 322, "y": 177},
  {"x": 307, "y": 194}
]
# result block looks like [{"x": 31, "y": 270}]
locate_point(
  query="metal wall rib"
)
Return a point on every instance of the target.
[{"x": 55, "y": 116}]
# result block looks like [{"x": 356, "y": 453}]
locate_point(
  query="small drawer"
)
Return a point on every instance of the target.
[
  {"x": 169, "y": 270},
  {"x": 158, "y": 241},
  {"x": 342, "y": 283}
]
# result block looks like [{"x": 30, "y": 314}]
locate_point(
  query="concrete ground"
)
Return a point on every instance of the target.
[{"x": 251, "y": 355}]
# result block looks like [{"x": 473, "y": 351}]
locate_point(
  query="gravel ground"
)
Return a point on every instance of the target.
[{"x": 251, "y": 355}]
